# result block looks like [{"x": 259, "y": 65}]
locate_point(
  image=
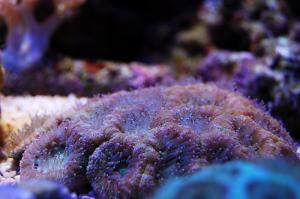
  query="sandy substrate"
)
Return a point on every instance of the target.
[{"x": 18, "y": 111}]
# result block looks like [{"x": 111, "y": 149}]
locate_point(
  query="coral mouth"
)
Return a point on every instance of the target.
[
  {"x": 57, "y": 159},
  {"x": 119, "y": 168},
  {"x": 60, "y": 155}
]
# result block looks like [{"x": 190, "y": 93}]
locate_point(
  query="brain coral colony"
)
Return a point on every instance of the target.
[
  {"x": 237, "y": 179},
  {"x": 125, "y": 144}
]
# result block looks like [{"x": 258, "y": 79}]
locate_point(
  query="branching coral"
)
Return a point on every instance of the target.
[
  {"x": 30, "y": 29},
  {"x": 94, "y": 32},
  {"x": 148, "y": 135},
  {"x": 237, "y": 180}
]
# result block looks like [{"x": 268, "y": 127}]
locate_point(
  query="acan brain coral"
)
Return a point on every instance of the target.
[
  {"x": 263, "y": 179},
  {"x": 142, "y": 137}
]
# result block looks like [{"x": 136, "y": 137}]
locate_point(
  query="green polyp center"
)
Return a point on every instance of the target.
[
  {"x": 122, "y": 168},
  {"x": 123, "y": 171},
  {"x": 53, "y": 160}
]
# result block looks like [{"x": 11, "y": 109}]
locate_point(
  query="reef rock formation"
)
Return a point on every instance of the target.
[
  {"x": 239, "y": 25},
  {"x": 279, "y": 86},
  {"x": 273, "y": 79},
  {"x": 226, "y": 66},
  {"x": 127, "y": 143},
  {"x": 36, "y": 27},
  {"x": 237, "y": 179},
  {"x": 85, "y": 78}
]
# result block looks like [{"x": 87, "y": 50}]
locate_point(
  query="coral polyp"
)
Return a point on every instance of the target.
[
  {"x": 146, "y": 136},
  {"x": 179, "y": 150},
  {"x": 121, "y": 168},
  {"x": 60, "y": 155},
  {"x": 237, "y": 179}
]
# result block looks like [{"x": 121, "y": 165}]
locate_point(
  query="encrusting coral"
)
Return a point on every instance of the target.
[
  {"x": 145, "y": 136},
  {"x": 237, "y": 179},
  {"x": 30, "y": 28}
]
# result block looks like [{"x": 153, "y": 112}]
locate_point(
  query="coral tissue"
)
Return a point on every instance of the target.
[{"x": 127, "y": 143}]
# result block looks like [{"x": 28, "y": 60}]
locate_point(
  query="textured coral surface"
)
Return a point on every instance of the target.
[
  {"x": 237, "y": 179},
  {"x": 138, "y": 139}
]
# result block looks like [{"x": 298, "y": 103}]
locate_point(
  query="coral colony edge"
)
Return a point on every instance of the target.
[{"x": 127, "y": 144}]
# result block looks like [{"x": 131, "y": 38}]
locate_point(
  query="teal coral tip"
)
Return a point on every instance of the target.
[{"x": 237, "y": 179}]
